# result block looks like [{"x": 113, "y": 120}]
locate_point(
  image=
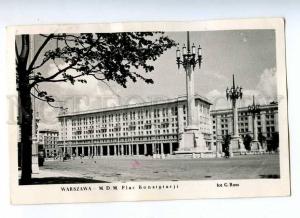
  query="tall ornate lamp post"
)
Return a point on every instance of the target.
[
  {"x": 189, "y": 60},
  {"x": 254, "y": 109},
  {"x": 191, "y": 140},
  {"x": 236, "y": 143}
]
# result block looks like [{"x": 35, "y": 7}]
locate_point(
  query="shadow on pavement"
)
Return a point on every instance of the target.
[
  {"x": 63, "y": 180},
  {"x": 271, "y": 176}
]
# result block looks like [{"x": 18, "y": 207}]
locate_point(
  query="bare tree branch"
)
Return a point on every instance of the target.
[
  {"x": 39, "y": 51},
  {"x": 49, "y": 79},
  {"x": 42, "y": 63}
]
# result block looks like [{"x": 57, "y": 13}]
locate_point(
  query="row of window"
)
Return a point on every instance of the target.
[
  {"x": 103, "y": 136},
  {"x": 269, "y": 115},
  {"x": 125, "y": 116},
  {"x": 137, "y": 133}
]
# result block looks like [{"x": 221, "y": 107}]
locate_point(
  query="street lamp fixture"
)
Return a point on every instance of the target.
[
  {"x": 234, "y": 92},
  {"x": 254, "y": 108},
  {"x": 189, "y": 58}
]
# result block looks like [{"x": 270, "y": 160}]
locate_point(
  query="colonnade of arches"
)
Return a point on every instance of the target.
[{"x": 123, "y": 150}]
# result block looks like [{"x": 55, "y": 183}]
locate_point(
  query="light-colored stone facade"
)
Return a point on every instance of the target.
[
  {"x": 267, "y": 122},
  {"x": 47, "y": 140},
  {"x": 139, "y": 129}
]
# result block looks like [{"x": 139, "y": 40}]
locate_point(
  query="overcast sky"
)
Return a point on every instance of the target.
[{"x": 249, "y": 55}]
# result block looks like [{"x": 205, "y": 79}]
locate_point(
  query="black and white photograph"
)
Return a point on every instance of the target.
[{"x": 144, "y": 110}]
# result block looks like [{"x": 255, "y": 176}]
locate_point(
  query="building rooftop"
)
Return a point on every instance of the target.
[
  {"x": 48, "y": 130},
  {"x": 129, "y": 106},
  {"x": 227, "y": 110}
]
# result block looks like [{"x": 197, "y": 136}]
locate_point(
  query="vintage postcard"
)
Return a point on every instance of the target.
[{"x": 147, "y": 111}]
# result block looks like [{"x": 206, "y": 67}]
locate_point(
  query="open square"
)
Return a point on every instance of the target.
[{"x": 148, "y": 169}]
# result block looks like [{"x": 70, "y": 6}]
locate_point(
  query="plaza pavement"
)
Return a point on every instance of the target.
[{"x": 122, "y": 169}]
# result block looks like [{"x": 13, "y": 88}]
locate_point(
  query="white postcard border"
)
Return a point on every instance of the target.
[{"x": 36, "y": 194}]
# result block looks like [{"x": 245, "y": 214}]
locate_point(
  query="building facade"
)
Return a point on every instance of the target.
[
  {"x": 47, "y": 140},
  {"x": 267, "y": 122},
  {"x": 139, "y": 129}
]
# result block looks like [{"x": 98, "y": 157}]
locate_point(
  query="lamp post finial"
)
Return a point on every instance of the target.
[
  {"x": 233, "y": 81},
  {"x": 188, "y": 41}
]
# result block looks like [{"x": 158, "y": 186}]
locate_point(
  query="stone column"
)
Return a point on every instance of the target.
[
  {"x": 115, "y": 150},
  {"x": 250, "y": 124},
  {"x": 101, "y": 150},
  {"x": 236, "y": 143},
  {"x": 180, "y": 118},
  {"x": 131, "y": 149},
  {"x": 161, "y": 148},
  {"x": 235, "y": 129},
  {"x": 137, "y": 149},
  {"x": 153, "y": 148},
  {"x": 145, "y": 149},
  {"x": 76, "y": 151},
  {"x": 171, "y": 148},
  {"x": 122, "y": 150},
  {"x": 218, "y": 136},
  {"x": 230, "y": 125},
  {"x": 190, "y": 92}
]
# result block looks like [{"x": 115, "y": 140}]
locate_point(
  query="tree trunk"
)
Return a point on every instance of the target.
[
  {"x": 26, "y": 135},
  {"x": 25, "y": 110}
]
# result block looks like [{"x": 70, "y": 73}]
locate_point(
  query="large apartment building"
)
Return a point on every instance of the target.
[
  {"x": 47, "y": 140},
  {"x": 267, "y": 122},
  {"x": 138, "y": 129}
]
